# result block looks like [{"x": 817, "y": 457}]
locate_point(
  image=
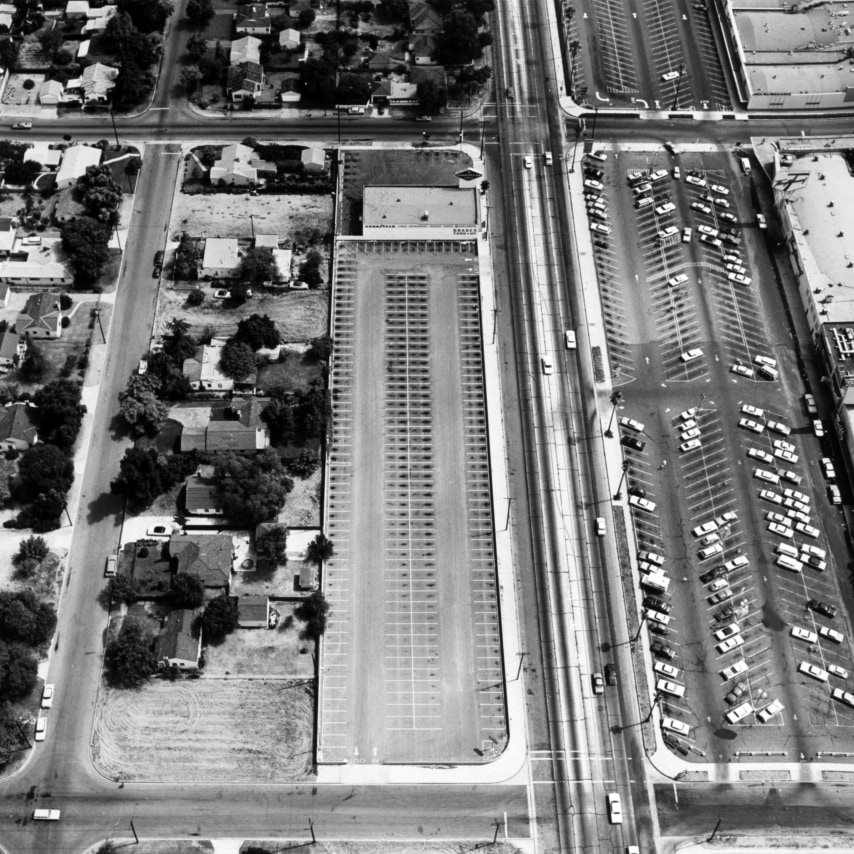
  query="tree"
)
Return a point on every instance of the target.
[
  {"x": 20, "y": 173},
  {"x": 35, "y": 364},
  {"x": 303, "y": 464},
  {"x": 173, "y": 384},
  {"x": 253, "y": 489},
  {"x": 99, "y": 194},
  {"x": 87, "y": 243},
  {"x": 133, "y": 85},
  {"x": 306, "y": 18},
  {"x": 320, "y": 348},
  {"x": 314, "y": 610},
  {"x": 318, "y": 81},
  {"x": 196, "y": 48},
  {"x": 394, "y": 10},
  {"x": 144, "y": 474},
  {"x": 140, "y": 406},
  {"x": 319, "y": 549},
  {"x": 60, "y": 413},
  {"x": 148, "y": 16},
  {"x": 458, "y": 43},
  {"x": 7, "y": 469},
  {"x": 279, "y": 415},
  {"x": 129, "y": 657},
  {"x": 309, "y": 270},
  {"x": 33, "y": 548},
  {"x": 199, "y": 11},
  {"x": 43, "y": 468},
  {"x": 121, "y": 588},
  {"x": 431, "y": 96},
  {"x": 18, "y": 671},
  {"x": 219, "y": 618},
  {"x": 25, "y": 618},
  {"x": 313, "y": 412},
  {"x": 237, "y": 360},
  {"x": 43, "y": 513},
  {"x": 257, "y": 266},
  {"x": 271, "y": 545},
  {"x": 191, "y": 77},
  {"x": 353, "y": 89},
  {"x": 188, "y": 591},
  {"x": 9, "y": 54},
  {"x": 257, "y": 331}
]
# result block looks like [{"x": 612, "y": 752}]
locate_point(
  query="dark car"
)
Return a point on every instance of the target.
[
  {"x": 611, "y": 674},
  {"x": 601, "y": 244},
  {"x": 653, "y": 603},
  {"x": 637, "y": 490},
  {"x": 658, "y": 629},
  {"x": 595, "y": 174},
  {"x": 662, "y": 650},
  {"x": 632, "y": 442},
  {"x": 736, "y": 693},
  {"x": 822, "y": 608},
  {"x": 712, "y": 574},
  {"x": 725, "y": 614}
]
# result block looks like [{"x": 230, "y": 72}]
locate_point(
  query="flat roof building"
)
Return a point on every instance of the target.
[{"x": 420, "y": 213}]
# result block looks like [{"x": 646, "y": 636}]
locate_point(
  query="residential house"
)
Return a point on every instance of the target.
[
  {"x": 381, "y": 60},
  {"x": 297, "y": 7},
  {"x": 247, "y": 49},
  {"x": 393, "y": 93},
  {"x": 235, "y": 167},
  {"x": 179, "y": 643},
  {"x": 50, "y": 92},
  {"x": 76, "y": 160},
  {"x": 76, "y": 9},
  {"x": 38, "y": 265},
  {"x": 7, "y": 13},
  {"x": 67, "y": 207},
  {"x": 13, "y": 348},
  {"x": 422, "y": 49},
  {"x": 17, "y": 427},
  {"x": 289, "y": 92},
  {"x": 424, "y": 20},
  {"x": 41, "y": 152},
  {"x": 313, "y": 159},
  {"x": 210, "y": 556},
  {"x": 253, "y": 612},
  {"x": 245, "y": 81},
  {"x": 225, "y": 436},
  {"x": 98, "y": 18},
  {"x": 41, "y": 317},
  {"x": 83, "y": 48},
  {"x": 95, "y": 84},
  {"x": 419, "y": 74},
  {"x": 202, "y": 370},
  {"x": 202, "y": 497},
  {"x": 7, "y": 236},
  {"x": 253, "y": 19},
  {"x": 289, "y": 39},
  {"x": 221, "y": 258}
]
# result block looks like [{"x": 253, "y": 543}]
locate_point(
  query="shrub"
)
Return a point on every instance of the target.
[{"x": 196, "y": 297}]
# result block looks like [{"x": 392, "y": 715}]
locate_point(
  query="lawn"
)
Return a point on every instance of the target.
[
  {"x": 292, "y": 373},
  {"x": 197, "y": 730}
]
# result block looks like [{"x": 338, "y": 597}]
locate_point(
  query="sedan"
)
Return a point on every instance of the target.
[
  {"x": 792, "y": 477},
  {"x": 779, "y": 427},
  {"x": 742, "y": 370},
  {"x": 633, "y": 442},
  {"x": 733, "y": 258},
  {"x": 736, "y": 268},
  {"x": 593, "y": 173},
  {"x": 598, "y": 683},
  {"x": 690, "y": 445},
  {"x": 688, "y": 424},
  {"x": 719, "y": 189},
  {"x": 158, "y": 531},
  {"x": 755, "y": 411},
  {"x": 813, "y": 670},
  {"x": 711, "y": 241},
  {"x": 770, "y": 495},
  {"x": 783, "y": 446},
  {"x": 705, "y": 528},
  {"x": 739, "y": 278},
  {"x": 642, "y": 503},
  {"x": 720, "y": 596},
  {"x": 828, "y": 468},
  {"x": 803, "y": 634},
  {"x": 675, "y": 281},
  {"x": 788, "y": 456},
  {"x": 822, "y": 608},
  {"x": 690, "y": 355},
  {"x": 731, "y": 644},
  {"x": 728, "y": 217},
  {"x": 673, "y": 725},
  {"x": 590, "y": 184},
  {"x": 836, "y": 670},
  {"x": 668, "y": 232},
  {"x": 221, "y": 293},
  {"x": 670, "y": 75},
  {"x": 797, "y": 495},
  {"x": 807, "y": 530},
  {"x": 814, "y": 562},
  {"x": 693, "y": 179},
  {"x": 762, "y": 456},
  {"x": 667, "y": 670},
  {"x": 748, "y": 424},
  {"x": 707, "y": 229},
  {"x": 712, "y": 574},
  {"x": 662, "y": 650},
  {"x": 843, "y": 696},
  {"x": 727, "y": 632},
  {"x": 47, "y": 696},
  {"x": 666, "y": 686},
  {"x": 686, "y": 234},
  {"x": 717, "y": 584},
  {"x": 693, "y": 433},
  {"x": 631, "y": 424},
  {"x": 781, "y": 530},
  {"x": 699, "y": 206},
  {"x": 771, "y": 516},
  {"x": 736, "y": 693}
]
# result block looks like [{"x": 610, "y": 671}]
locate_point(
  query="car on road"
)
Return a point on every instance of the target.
[
  {"x": 668, "y": 686},
  {"x": 642, "y": 503},
  {"x": 828, "y": 468},
  {"x": 111, "y": 566},
  {"x": 662, "y": 650},
  {"x": 813, "y": 670},
  {"x": 833, "y": 494},
  {"x": 632, "y": 442},
  {"x": 818, "y": 428},
  {"x": 673, "y": 149},
  {"x": 843, "y": 696},
  {"x": 598, "y": 683},
  {"x": 615, "y": 808},
  {"x": 800, "y": 633},
  {"x": 695, "y": 180},
  {"x": 675, "y": 281},
  {"x": 810, "y": 406},
  {"x": 676, "y": 173},
  {"x": 47, "y": 696},
  {"x": 759, "y": 454},
  {"x": 22, "y": 126},
  {"x": 600, "y": 526},
  {"x": 761, "y": 221},
  {"x": 690, "y": 355},
  {"x": 770, "y": 495},
  {"x": 548, "y": 366},
  {"x": 830, "y": 634},
  {"x": 739, "y": 712},
  {"x": 690, "y": 445},
  {"x": 611, "y": 674},
  {"x": 781, "y": 530},
  {"x": 734, "y": 670},
  {"x": 528, "y": 163},
  {"x": 807, "y": 530},
  {"x": 424, "y": 118},
  {"x": 768, "y": 476},
  {"x": 673, "y": 725},
  {"x": 771, "y": 710},
  {"x": 823, "y": 608},
  {"x": 731, "y": 644},
  {"x": 668, "y": 232},
  {"x": 736, "y": 693}
]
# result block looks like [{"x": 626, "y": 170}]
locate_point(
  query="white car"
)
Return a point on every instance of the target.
[
  {"x": 783, "y": 446},
  {"x": 651, "y": 557},
  {"x": 631, "y": 424},
  {"x": 688, "y": 414},
  {"x": 705, "y": 528},
  {"x": 736, "y": 268},
  {"x": 528, "y": 163},
  {"x": 690, "y": 445},
  {"x": 828, "y": 468},
  {"x": 693, "y": 179},
  {"x": 690, "y": 355},
  {"x": 742, "y": 370},
  {"x": 666, "y": 686},
  {"x": 765, "y": 360},
  {"x": 739, "y": 712},
  {"x": 836, "y": 670},
  {"x": 788, "y": 456},
  {"x": 548, "y": 367},
  {"x": 590, "y": 184},
  {"x": 728, "y": 217},
  {"x": 657, "y": 174},
  {"x": 813, "y": 670},
  {"x": 670, "y": 75},
  {"x": 843, "y": 696},
  {"x": 666, "y": 669},
  {"x": 759, "y": 454},
  {"x": 666, "y": 208},
  {"x": 737, "y": 563},
  {"x": 707, "y": 229},
  {"x": 221, "y": 293},
  {"x": 794, "y": 504},
  {"x": 800, "y": 633},
  {"x": 818, "y": 427},
  {"x": 710, "y": 539},
  {"x": 692, "y": 433},
  {"x": 704, "y": 209},
  {"x": 779, "y": 427},
  {"x": 734, "y": 670},
  {"x": 797, "y": 495},
  {"x": 727, "y": 632},
  {"x": 761, "y": 221},
  {"x": 739, "y": 278},
  {"x": 807, "y": 530},
  {"x": 599, "y": 227},
  {"x": 642, "y": 503},
  {"x": 600, "y": 526},
  {"x": 711, "y": 241},
  {"x": 831, "y": 634},
  {"x": 733, "y": 258},
  {"x": 675, "y": 281},
  {"x": 600, "y": 155},
  {"x": 673, "y": 725},
  {"x": 749, "y": 424},
  {"x": 615, "y": 808},
  {"x": 711, "y": 551},
  {"x": 792, "y": 477},
  {"x": 719, "y": 189},
  {"x": 755, "y": 411},
  {"x": 772, "y": 709},
  {"x": 731, "y": 644},
  {"x": 41, "y": 727},
  {"x": 768, "y": 476},
  {"x": 810, "y": 549},
  {"x": 688, "y": 424},
  {"x": 770, "y": 495},
  {"x": 771, "y": 516},
  {"x": 47, "y": 696},
  {"x": 781, "y": 530},
  {"x": 687, "y": 232},
  {"x": 668, "y": 232}
]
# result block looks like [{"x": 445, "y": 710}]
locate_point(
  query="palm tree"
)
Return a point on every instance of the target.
[{"x": 616, "y": 400}]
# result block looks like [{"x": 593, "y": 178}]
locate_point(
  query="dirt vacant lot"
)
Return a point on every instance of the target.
[{"x": 192, "y": 731}]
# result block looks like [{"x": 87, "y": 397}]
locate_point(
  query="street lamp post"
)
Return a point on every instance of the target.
[
  {"x": 643, "y": 619},
  {"x": 655, "y": 702},
  {"x": 616, "y": 400}
]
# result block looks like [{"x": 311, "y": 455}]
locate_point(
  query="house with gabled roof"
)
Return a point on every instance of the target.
[
  {"x": 179, "y": 643},
  {"x": 41, "y": 317},
  {"x": 202, "y": 497},
  {"x": 76, "y": 160},
  {"x": 17, "y": 427},
  {"x": 424, "y": 19},
  {"x": 202, "y": 370},
  {"x": 210, "y": 556},
  {"x": 95, "y": 84},
  {"x": 253, "y": 611},
  {"x": 247, "y": 49},
  {"x": 245, "y": 80},
  {"x": 253, "y": 19},
  {"x": 234, "y": 166},
  {"x": 289, "y": 39},
  {"x": 13, "y": 348},
  {"x": 422, "y": 49}
]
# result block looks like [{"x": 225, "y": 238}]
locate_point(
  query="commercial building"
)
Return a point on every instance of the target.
[{"x": 420, "y": 213}]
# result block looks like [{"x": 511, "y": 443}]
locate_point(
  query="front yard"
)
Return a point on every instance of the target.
[{"x": 198, "y": 730}]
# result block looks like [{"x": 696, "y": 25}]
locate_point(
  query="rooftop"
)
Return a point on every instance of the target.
[{"x": 386, "y": 205}]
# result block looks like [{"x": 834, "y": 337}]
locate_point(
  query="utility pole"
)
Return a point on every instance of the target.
[
  {"x": 133, "y": 830},
  {"x": 714, "y": 832},
  {"x": 678, "y": 86},
  {"x": 115, "y": 131},
  {"x": 311, "y": 828}
]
